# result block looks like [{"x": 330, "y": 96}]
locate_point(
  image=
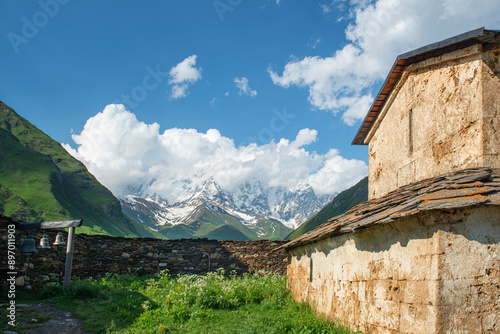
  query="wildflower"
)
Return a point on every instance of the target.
[
  {"x": 162, "y": 328},
  {"x": 146, "y": 305}
]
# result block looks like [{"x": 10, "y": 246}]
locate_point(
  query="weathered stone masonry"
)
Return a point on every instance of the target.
[
  {"x": 422, "y": 255},
  {"x": 97, "y": 255}
]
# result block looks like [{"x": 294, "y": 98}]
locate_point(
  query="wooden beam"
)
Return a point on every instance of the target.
[
  {"x": 50, "y": 224},
  {"x": 61, "y": 224}
]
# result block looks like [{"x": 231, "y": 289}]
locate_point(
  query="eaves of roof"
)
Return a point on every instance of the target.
[
  {"x": 477, "y": 36},
  {"x": 460, "y": 189}
]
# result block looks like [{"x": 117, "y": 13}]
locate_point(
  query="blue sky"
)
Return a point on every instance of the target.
[{"x": 256, "y": 71}]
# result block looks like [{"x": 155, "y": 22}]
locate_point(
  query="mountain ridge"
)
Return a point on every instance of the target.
[
  {"x": 344, "y": 201},
  {"x": 41, "y": 181},
  {"x": 255, "y": 211}
]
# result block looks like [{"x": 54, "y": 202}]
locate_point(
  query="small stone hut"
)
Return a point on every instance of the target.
[{"x": 422, "y": 255}]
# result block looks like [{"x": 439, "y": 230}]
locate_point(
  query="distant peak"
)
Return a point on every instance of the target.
[{"x": 302, "y": 187}]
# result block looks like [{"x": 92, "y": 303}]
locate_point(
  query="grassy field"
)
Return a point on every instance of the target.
[{"x": 216, "y": 303}]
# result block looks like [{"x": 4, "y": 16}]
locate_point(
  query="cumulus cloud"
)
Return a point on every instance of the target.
[
  {"x": 125, "y": 153},
  {"x": 378, "y": 31},
  {"x": 183, "y": 74},
  {"x": 242, "y": 84}
]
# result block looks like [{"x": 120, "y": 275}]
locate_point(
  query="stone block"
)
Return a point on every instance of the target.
[
  {"x": 455, "y": 294},
  {"x": 20, "y": 281},
  {"x": 420, "y": 292},
  {"x": 466, "y": 324},
  {"x": 348, "y": 310},
  {"x": 417, "y": 319},
  {"x": 379, "y": 313}
]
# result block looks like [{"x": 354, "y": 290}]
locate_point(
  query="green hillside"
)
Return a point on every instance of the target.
[
  {"x": 39, "y": 180},
  {"x": 180, "y": 231},
  {"x": 204, "y": 221},
  {"x": 341, "y": 203},
  {"x": 226, "y": 232},
  {"x": 211, "y": 223}
]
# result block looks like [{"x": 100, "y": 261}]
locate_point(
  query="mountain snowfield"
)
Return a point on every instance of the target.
[{"x": 264, "y": 213}]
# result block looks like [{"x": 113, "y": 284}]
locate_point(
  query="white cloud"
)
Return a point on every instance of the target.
[
  {"x": 379, "y": 31},
  {"x": 183, "y": 74},
  {"x": 212, "y": 102},
  {"x": 305, "y": 137},
  {"x": 242, "y": 84},
  {"x": 123, "y": 153},
  {"x": 326, "y": 8}
]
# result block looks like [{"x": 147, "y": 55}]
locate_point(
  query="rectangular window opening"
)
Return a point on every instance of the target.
[
  {"x": 410, "y": 132},
  {"x": 310, "y": 270}
]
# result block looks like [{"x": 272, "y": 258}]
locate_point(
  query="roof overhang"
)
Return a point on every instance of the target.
[
  {"x": 477, "y": 36},
  {"x": 457, "y": 190}
]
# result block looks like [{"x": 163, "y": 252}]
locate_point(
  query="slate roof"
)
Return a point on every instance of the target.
[
  {"x": 477, "y": 36},
  {"x": 464, "y": 188}
]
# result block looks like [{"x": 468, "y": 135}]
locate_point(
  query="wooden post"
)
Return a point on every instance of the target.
[
  {"x": 69, "y": 259},
  {"x": 72, "y": 224}
]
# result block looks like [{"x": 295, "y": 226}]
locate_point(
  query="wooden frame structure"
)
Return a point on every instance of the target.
[{"x": 46, "y": 225}]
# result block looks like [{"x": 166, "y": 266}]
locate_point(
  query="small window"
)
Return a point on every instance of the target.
[
  {"x": 410, "y": 132},
  {"x": 310, "y": 270}
]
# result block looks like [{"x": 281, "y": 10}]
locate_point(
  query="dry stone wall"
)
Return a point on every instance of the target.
[{"x": 97, "y": 255}]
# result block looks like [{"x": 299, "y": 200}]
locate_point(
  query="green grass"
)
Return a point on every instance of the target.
[
  {"x": 215, "y": 303},
  {"x": 25, "y": 319}
]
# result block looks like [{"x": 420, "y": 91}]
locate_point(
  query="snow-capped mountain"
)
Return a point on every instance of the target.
[{"x": 251, "y": 211}]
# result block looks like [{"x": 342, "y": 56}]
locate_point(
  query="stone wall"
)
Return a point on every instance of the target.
[
  {"x": 442, "y": 116},
  {"x": 435, "y": 272},
  {"x": 96, "y": 255},
  {"x": 491, "y": 104}
]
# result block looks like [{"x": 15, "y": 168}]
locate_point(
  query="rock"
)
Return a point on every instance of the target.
[{"x": 20, "y": 281}]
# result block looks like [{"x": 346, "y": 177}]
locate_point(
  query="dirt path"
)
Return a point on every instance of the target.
[{"x": 60, "y": 322}]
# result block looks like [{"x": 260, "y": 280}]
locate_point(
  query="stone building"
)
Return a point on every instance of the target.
[{"x": 422, "y": 255}]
